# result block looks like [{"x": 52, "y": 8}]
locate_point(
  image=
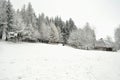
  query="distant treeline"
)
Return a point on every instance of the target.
[{"x": 24, "y": 25}]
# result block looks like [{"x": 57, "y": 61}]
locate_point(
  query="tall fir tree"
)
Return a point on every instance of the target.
[
  {"x": 69, "y": 27},
  {"x": 23, "y": 14},
  {"x": 31, "y": 17},
  {"x": 10, "y": 16},
  {"x": 61, "y": 29},
  {"x": 3, "y": 18}
]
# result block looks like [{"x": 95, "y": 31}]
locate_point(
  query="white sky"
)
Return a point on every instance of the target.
[{"x": 103, "y": 15}]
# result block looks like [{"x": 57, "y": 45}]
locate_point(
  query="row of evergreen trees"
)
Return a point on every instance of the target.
[{"x": 31, "y": 27}]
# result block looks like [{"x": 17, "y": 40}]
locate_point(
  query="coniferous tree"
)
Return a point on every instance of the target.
[
  {"x": 10, "y": 16},
  {"x": 69, "y": 27},
  {"x": 19, "y": 22},
  {"x": 24, "y": 14},
  {"x": 30, "y": 21},
  {"x": 61, "y": 29},
  {"x": 31, "y": 17},
  {"x": 54, "y": 34},
  {"x": 3, "y": 20}
]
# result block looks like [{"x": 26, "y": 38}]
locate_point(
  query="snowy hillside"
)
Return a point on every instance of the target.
[{"x": 36, "y": 61}]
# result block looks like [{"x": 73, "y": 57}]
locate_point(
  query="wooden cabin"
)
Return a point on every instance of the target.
[{"x": 103, "y": 45}]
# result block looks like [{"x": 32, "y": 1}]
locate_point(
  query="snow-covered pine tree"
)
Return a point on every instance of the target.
[
  {"x": 31, "y": 17},
  {"x": 24, "y": 14},
  {"x": 54, "y": 34},
  {"x": 69, "y": 27},
  {"x": 61, "y": 29},
  {"x": 19, "y": 22},
  {"x": 10, "y": 16},
  {"x": 30, "y": 21},
  {"x": 3, "y": 19}
]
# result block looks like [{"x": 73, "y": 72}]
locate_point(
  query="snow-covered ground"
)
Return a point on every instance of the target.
[{"x": 36, "y": 61}]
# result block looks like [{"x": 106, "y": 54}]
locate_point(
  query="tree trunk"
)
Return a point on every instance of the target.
[{"x": 4, "y": 33}]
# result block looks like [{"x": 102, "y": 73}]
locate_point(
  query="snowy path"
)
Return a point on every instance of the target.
[{"x": 55, "y": 62}]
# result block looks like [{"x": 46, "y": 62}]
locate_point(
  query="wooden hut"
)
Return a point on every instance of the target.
[{"x": 103, "y": 45}]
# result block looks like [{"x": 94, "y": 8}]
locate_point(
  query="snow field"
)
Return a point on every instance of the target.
[{"x": 36, "y": 61}]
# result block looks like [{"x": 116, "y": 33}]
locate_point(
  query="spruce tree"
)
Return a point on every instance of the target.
[
  {"x": 10, "y": 16},
  {"x": 3, "y": 19}
]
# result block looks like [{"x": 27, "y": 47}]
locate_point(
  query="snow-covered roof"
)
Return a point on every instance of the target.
[{"x": 103, "y": 43}]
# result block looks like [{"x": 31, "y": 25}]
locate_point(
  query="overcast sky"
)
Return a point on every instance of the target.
[{"x": 103, "y": 15}]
